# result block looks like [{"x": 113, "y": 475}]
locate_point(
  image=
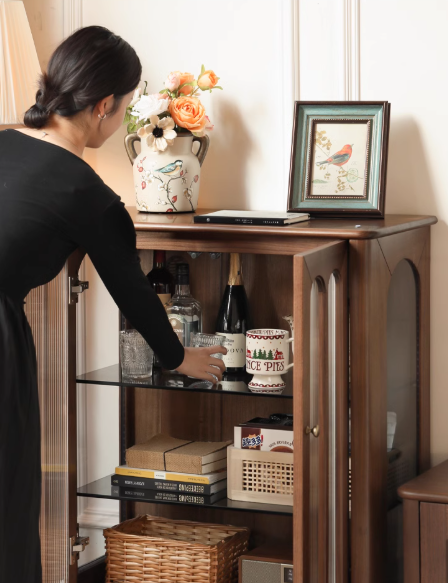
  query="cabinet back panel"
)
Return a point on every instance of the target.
[{"x": 268, "y": 280}]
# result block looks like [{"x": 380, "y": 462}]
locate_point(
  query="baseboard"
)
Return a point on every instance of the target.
[{"x": 94, "y": 572}]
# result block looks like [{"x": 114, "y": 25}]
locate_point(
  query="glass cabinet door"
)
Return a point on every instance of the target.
[
  {"x": 51, "y": 312},
  {"x": 321, "y": 415}
]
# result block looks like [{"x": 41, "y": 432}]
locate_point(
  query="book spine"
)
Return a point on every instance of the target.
[
  {"x": 162, "y": 475},
  {"x": 165, "y": 485},
  {"x": 152, "y": 496}
]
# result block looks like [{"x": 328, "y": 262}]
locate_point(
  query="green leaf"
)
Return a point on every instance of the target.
[
  {"x": 217, "y": 87},
  {"x": 202, "y": 70},
  {"x": 129, "y": 128},
  {"x": 164, "y": 91},
  {"x": 184, "y": 85}
]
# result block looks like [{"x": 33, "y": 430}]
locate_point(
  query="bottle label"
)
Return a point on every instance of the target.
[
  {"x": 236, "y": 350},
  {"x": 164, "y": 298}
]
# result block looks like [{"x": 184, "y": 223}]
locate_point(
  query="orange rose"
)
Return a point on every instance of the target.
[
  {"x": 207, "y": 80},
  {"x": 185, "y": 78},
  {"x": 188, "y": 113}
]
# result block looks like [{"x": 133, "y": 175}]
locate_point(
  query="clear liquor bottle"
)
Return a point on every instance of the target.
[{"x": 184, "y": 312}]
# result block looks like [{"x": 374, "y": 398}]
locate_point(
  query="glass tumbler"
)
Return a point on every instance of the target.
[
  {"x": 136, "y": 355},
  {"x": 202, "y": 340}
]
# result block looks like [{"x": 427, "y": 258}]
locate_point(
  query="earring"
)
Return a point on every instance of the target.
[{"x": 102, "y": 117}]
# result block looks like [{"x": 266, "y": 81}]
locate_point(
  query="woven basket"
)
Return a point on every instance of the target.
[{"x": 149, "y": 549}]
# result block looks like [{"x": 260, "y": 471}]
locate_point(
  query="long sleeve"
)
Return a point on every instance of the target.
[{"x": 110, "y": 241}]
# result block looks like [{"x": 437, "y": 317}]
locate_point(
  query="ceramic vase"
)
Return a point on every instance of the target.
[{"x": 167, "y": 182}]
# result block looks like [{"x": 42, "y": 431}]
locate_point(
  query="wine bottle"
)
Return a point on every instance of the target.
[
  {"x": 160, "y": 278},
  {"x": 184, "y": 312},
  {"x": 233, "y": 318}
]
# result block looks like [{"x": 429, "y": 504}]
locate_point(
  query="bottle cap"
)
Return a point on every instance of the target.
[{"x": 183, "y": 274}]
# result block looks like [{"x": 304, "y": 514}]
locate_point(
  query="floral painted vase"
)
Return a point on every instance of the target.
[{"x": 167, "y": 182}]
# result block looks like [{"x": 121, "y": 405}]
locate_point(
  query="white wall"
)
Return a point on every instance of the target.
[{"x": 248, "y": 43}]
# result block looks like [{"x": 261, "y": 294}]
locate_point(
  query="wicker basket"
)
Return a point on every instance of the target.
[
  {"x": 260, "y": 476},
  {"x": 150, "y": 549}
]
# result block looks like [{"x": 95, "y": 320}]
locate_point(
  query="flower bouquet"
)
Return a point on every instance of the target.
[{"x": 167, "y": 123}]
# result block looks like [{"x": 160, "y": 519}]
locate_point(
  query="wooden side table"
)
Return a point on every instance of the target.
[{"x": 425, "y": 526}]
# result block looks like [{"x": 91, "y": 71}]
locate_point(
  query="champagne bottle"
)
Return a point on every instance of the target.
[{"x": 233, "y": 318}]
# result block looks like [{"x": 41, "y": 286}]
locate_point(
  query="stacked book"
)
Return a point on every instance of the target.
[{"x": 173, "y": 470}]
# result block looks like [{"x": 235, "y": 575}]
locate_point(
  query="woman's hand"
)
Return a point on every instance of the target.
[{"x": 199, "y": 363}]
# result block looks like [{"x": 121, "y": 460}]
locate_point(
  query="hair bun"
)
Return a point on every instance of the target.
[{"x": 36, "y": 116}]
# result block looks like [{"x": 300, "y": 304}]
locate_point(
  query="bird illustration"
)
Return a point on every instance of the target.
[
  {"x": 340, "y": 158},
  {"x": 171, "y": 169}
]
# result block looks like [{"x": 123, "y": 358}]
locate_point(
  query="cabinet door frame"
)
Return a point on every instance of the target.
[{"x": 318, "y": 265}]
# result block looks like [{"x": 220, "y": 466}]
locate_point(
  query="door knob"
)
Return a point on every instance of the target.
[{"x": 314, "y": 430}]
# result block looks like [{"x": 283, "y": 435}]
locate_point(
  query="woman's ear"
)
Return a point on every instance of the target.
[{"x": 105, "y": 105}]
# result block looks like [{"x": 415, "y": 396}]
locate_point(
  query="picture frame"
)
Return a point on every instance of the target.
[{"x": 339, "y": 158}]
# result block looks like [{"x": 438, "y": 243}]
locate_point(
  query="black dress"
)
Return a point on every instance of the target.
[{"x": 51, "y": 202}]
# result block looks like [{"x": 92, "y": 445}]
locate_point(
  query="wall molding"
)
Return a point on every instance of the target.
[
  {"x": 72, "y": 10},
  {"x": 351, "y": 49},
  {"x": 295, "y": 22}
]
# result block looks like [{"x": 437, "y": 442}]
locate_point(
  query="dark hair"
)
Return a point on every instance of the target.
[{"x": 87, "y": 66}]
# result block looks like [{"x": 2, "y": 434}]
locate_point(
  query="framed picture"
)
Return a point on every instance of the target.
[{"x": 339, "y": 158}]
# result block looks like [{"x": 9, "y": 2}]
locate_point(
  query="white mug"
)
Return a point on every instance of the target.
[{"x": 267, "y": 355}]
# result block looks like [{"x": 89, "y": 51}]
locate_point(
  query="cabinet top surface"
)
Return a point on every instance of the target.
[
  {"x": 431, "y": 486},
  {"x": 333, "y": 228}
]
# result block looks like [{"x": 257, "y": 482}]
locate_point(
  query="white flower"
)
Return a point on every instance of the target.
[
  {"x": 149, "y": 105},
  {"x": 173, "y": 81},
  {"x": 159, "y": 133},
  {"x": 136, "y": 96},
  {"x": 148, "y": 177}
]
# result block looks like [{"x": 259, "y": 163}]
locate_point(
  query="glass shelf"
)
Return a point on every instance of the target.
[
  {"x": 103, "y": 489},
  {"x": 232, "y": 384}
]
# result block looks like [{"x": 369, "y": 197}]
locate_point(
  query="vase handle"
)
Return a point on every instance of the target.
[
  {"x": 129, "y": 141},
  {"x": 204, "y": 143}
]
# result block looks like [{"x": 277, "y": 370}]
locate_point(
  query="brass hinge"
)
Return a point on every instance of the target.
[
  {"x": 76, "y": 287},
  {"x": 77, "y": 545}
]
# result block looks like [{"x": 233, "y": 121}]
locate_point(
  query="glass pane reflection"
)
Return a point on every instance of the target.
[
  {"x": 402, "y": 394},
  {"x": 332, "y": 429}
]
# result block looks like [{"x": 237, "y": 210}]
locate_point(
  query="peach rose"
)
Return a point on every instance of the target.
[
  {"x": 188, "y": 113},
  {"x": 207, "y": 80},
  {"x": 185, "y": 78}
]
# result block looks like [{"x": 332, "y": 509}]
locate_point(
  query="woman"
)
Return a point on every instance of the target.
[{"x": 51, "y": 202}]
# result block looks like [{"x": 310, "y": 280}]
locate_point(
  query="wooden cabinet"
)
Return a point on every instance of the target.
[
  {"x": 426, "y": 526},
  {"x": 343, "y": 281}
]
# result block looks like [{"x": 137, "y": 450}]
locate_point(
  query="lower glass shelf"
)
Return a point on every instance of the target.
[{"x": 103, "y": 489}]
